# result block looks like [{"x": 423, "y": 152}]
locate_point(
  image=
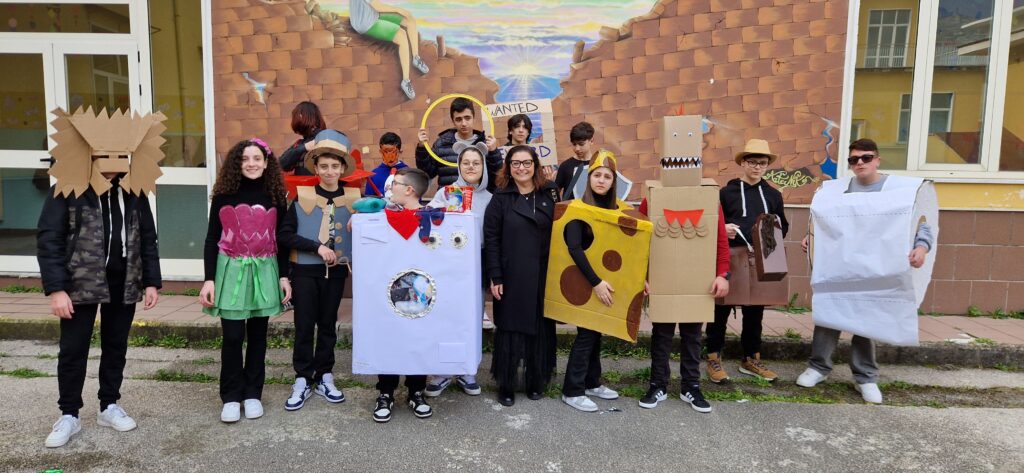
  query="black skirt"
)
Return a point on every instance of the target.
[{"x": 536, "y": 353}]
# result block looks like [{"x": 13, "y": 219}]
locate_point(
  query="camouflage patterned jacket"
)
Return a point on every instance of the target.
[{"x": 72, "y": 253}]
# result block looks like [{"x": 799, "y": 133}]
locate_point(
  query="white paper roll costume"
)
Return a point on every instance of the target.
[
  {"x": 684, "y": 210},
  {"x": 861, "y": 277},
  {"x": 417, "y": 299}
]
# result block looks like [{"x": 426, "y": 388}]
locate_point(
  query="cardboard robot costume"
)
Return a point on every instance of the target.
[
  {"x": 683, "y": 208},
  {"x": 618, "y": 255},
  {"x": 862, "y": 281}
]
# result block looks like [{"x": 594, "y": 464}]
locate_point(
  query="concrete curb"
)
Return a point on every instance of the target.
[{"x": 772, "y": 348}]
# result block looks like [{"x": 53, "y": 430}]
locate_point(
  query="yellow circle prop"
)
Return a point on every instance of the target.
[{"x": 423, "y": 123}]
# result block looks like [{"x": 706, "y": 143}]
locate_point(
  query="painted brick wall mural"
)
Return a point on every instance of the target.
[{"x": 768, "y": 69}]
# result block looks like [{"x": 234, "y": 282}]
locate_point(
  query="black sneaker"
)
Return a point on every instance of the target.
[
  {"x": 419, "y": 405},
  {"x": 696, "y": 399},
  {"x": 654, "y": 395},
  {"x": 382, "y": 413}
]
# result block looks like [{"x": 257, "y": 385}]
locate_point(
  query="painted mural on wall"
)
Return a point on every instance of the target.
[{"x": 768, "y": 71}]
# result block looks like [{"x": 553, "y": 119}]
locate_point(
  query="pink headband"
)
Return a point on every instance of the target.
[{"x": 262, "y": 144}]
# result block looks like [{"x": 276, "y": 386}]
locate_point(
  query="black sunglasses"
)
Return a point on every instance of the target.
[{"x": 866, "y": 158}]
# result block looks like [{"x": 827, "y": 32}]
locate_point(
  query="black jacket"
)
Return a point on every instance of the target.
[
  {"x": 442, "y": 147},
  {"x": 732, "y": 206},
  {"x": 291, "y": 158},
  {"x": 72, "y": 250},
  {"x": 517, "y": 240}
]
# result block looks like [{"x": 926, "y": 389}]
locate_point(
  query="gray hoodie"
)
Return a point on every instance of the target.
[{"x": 481, "y": 196}]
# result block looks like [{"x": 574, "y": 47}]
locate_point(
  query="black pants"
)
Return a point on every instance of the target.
[
  {"x": 689, "y": 359},
  {"x": 583, "y": 371},
  {"x": 386, "y": 383},
  {"x": 75, "y": 336},
  {"x": 750, "y": 338},
  {"x": 316, "y": 301},
  {"x": 243, "y": 379}
]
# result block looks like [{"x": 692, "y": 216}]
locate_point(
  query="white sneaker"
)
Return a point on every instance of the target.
[
  {"x": 810, "y": 377},
  {"x": 116, "y": 418},
  {"x": 253, "y": 408},
  {"x": 327, "y": 389},
  {"x": 63, "y": 429},
  {"x": 603, "y": 392},
  {"x": 487, "y": 324},
  {"x": 870, "y": 392},
  {"x": 231, "y": 412},
  {"x": 582, "y": 403},
  {"x": 300, "y": 392}
]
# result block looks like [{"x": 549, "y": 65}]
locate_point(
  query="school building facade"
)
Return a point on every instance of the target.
[{"x": 934, "y": 82}]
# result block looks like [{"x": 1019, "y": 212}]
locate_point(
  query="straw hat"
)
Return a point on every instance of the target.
[
  {"x": 331, "y": 142},
  {"x": 756, "y": 146}
]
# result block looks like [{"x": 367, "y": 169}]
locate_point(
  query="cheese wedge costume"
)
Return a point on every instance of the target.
[
  {"x": 684, "y": 210},
  {"x": 618, "y": 255},
  {"x": 861, "y": 278}
]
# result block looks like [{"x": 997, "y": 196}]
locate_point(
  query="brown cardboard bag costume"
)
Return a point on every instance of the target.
[
  {"x": 90, "y": 143},
  {"x": 684, "y": 210}
]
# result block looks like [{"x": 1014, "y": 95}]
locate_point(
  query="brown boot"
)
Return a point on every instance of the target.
[
  {"x": 716, "y": 374},
  {"x": 755, "y": 367}
]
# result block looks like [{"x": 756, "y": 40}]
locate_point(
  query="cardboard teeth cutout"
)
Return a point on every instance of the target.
[{"x": 90, "y": 144}]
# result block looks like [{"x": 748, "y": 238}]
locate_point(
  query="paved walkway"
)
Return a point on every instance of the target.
[{"x": 186, "y": 309}]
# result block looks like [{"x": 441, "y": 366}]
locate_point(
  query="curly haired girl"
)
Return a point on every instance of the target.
[{"x": 242, "y": 262}]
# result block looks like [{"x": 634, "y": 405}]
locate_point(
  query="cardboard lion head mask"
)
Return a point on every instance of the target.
[{"x": 90, "y": 144}]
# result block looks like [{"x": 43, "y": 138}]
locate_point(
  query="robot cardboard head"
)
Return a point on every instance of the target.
[{"x": 681, "y": 143}]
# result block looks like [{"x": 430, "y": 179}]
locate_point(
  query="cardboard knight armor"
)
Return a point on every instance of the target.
[
  {"x": 683, "y": 208},
  {"x": 418, "y": 309}
]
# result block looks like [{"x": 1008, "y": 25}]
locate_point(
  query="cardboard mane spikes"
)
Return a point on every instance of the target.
[{"x": 91, "y": 143}]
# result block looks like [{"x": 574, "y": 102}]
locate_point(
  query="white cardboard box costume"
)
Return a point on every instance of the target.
[
  {"x": 417, "y": 305},
  {"x": 862, "y": 279}
]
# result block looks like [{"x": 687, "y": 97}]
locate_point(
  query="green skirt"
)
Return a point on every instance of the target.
[{"x": 245, "y": 288}]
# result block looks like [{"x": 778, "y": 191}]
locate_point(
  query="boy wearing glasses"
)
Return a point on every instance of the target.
[
  {"x": 864, "y": 161},
  {"x": 743, "y": 200}
]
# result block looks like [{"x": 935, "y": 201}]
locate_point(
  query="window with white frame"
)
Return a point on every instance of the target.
[
  {"x": 967, "y": 54},
  {"x": 888, "y": 32},
  {"x": 940, "y": 116}
]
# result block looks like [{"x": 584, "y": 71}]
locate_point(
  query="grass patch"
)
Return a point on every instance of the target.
[
  {"x": 192, "y": 292},
  {"x": 140, "y": 341},
  {"x": 3, "y": 355},
  {"x": 791, "y": 307},
  {"x": 985, "y": 341},
  {"x": 902, "y": 385},
  {"x": 612, "y": 376},
  {"x": 344, "y": 343},
  {"x": 172, "y": 340},
  {"x": 206, "y": 360},
  {"x": 20, "y": 289},
  {"x": 1005, "y": 367},
  {"x": 24, "y": 373},
  {"x": 182, "y": 377},
  {"x": 641, "y": 374},
  {"x": 46, "y": 356},
  {"x": 792, "y": 334},
  {"x": 280, "y": 379},
  {"x": 279, "y": 341},
  {"x": 974, "y": 311},
  {"x": 208, "y": 344},
  {"x": 632, "y": 391}
]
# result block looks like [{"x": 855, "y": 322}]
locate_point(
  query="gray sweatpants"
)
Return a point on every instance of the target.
[{"x": 862, "y": 355}]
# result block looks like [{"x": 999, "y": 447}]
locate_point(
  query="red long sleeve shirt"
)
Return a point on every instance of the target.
[{"x": 722, "y": 263}]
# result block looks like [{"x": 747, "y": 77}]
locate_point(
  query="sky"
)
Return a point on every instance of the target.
[{"x": 520, "y": 38}]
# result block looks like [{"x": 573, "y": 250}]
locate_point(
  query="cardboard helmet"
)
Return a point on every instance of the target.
[
  {"x": 756, "y": 146},
  {"x": 335, "y": 143}
]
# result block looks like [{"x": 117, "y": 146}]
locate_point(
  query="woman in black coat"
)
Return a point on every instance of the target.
[
  {"x": 517, "y": 236},
  {"x": 307, "y": 121}
]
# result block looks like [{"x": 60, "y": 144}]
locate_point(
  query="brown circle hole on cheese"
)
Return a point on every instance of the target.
[
  {"x": 633, "y": 314},
  {"x": 574, "y": 286},
  {"x": 587, "y": 230},
  {"x": 612, "y": 260},
  {"x": 627, "y": 225}
]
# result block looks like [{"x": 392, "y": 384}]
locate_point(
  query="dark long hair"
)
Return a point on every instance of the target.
[
  {"x": 230, "y": 175},
  {"x": 516, "y": 120},
  {"x": 307, "y": 119},
  {"x": 505, "y": 176}
]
